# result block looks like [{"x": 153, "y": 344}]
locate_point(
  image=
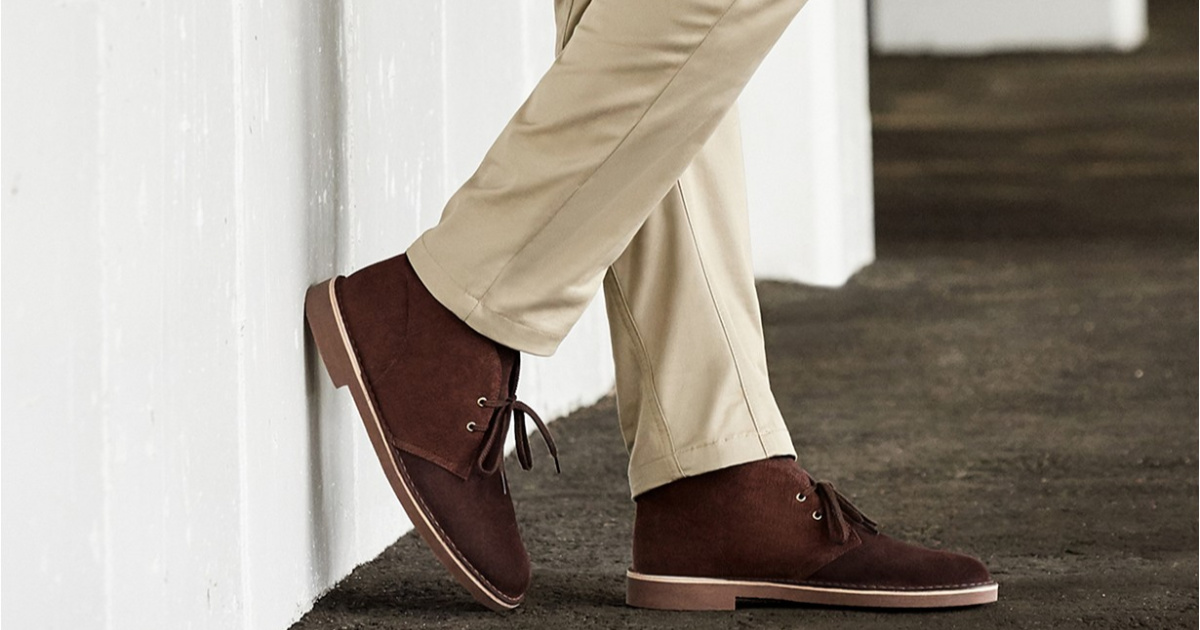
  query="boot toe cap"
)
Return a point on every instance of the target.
[
  {"x": 885, "y": 563},
  {"x": 477, "y": 519}
]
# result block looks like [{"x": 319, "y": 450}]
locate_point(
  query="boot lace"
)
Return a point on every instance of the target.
[
  {"x": 838, "y": 512},
  {"x": 511, "y": 411}
]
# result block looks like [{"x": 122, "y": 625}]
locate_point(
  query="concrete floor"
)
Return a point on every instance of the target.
[{"x": 1015, "y": 377}]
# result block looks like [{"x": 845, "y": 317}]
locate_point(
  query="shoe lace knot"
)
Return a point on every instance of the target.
[
  {"x": 509, "y": 410},
  {"x": 838, "y": 513}
]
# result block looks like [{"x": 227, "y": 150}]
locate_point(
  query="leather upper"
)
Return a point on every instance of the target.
[
  {"x": 768, "y": 520},
  {"x": 445, "y": 394}
]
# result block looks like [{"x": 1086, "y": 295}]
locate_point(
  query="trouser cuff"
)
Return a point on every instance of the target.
[
  {"x": 474, "y": 313},
  {"x": 697, "y": 460}
]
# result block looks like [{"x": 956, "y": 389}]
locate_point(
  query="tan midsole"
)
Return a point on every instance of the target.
[{"x": 666, "y": 579}]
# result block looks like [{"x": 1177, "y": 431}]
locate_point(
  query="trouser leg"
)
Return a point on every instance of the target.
[
  {"x": 692, "y": 387},
  {"x": 523, "y": 246},
  {"x": 693, "y": 393}
]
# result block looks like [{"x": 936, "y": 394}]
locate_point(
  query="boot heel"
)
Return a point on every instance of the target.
[
  {"x": 678, "y": 593},
  {"x": 329, "y": 333}
]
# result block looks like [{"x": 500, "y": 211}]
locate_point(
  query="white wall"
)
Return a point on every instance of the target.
[
  {"x": 985, "y": 26},
  {"x": 806, "y": 127},
  {"x": 175, "y": 174}
]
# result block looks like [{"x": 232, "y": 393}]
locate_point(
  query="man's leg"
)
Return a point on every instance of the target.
[
  {"x": 692, "y": 386},
  {"x": 723, "y": 512},
  {"x": 524, "y": 244},
  {"x": 720, "y": 515},
  {"x": 427, "y": 343}
]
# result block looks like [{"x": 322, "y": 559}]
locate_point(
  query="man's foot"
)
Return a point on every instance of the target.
[
  {"x": 766, "y": 530},
  {"x": 437, "y": 399}
]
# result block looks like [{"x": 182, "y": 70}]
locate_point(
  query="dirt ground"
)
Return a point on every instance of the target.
[{"x": 1014, "y": 377}]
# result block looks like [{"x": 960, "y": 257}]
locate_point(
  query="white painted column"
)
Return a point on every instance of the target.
[
  {"x": 986, "y": 26},
  {"x": 53, "y": 361},
  {"x": 174, "y": 176},
  {"x": 806, "y": 127}
]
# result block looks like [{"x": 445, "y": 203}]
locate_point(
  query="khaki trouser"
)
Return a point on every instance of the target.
[{"x": 570, "y": 197}]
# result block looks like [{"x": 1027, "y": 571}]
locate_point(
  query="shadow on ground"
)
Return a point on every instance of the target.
[{"x": 1015, "y": 377}]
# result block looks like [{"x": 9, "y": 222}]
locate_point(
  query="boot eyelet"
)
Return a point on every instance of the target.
[
  {"x": 817, "y": 515},
  {"x": 471, "y": 427},
  {"x": 802, "y": 497},
  {"x": 482, "y": 399}
]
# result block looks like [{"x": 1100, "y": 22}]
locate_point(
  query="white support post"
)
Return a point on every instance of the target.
[{"x": 806, "y": 127}]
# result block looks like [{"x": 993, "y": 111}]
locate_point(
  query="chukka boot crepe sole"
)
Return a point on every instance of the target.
[
  {"x": 766, "y": 530},
  {"x": 436, "y": 399}
]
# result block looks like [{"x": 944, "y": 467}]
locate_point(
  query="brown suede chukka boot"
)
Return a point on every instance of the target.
[
  {"x": 766, "y": 530},
  {"x": 437, "y": 399}
]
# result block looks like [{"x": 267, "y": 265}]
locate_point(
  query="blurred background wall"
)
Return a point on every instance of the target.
[
  {"x": 985, "y": 26},
  {"x": 175, "y": 174}
]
